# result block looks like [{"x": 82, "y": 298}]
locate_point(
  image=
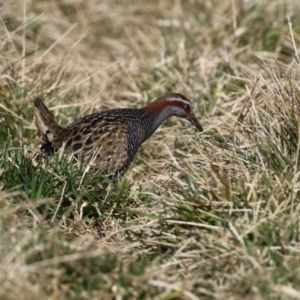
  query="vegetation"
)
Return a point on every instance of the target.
[{"x": 212, "y": 215}]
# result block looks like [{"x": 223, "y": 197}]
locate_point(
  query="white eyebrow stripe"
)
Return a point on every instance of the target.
[{"x": 177, "y": 99}]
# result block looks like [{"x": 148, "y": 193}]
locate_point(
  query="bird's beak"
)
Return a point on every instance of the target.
[{"x": 192, "y": 118}]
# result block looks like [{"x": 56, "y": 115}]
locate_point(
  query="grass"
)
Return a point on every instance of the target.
[{"x": 198, "y": 216}]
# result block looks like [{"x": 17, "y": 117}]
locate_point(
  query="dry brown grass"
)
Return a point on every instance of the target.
[{"x": 212, "y": 215}]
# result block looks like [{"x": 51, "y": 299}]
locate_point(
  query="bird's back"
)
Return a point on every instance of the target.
[
  {"x": 100, "y": 140},
  {"x": 106, "y": 141}
]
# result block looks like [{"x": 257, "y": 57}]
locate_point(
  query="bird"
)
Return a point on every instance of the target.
[{"x": 107, "y": 141}]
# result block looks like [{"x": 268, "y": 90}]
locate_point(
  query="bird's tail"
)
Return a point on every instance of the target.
[{"x": 48, "y": 129}]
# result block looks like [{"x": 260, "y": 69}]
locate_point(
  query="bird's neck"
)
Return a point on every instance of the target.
[{"x": 154, "y": 119}]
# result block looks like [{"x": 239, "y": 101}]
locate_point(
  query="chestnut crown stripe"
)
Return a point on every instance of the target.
[
  {"x": 107, "y": 141},
  {"x": 168, "y": 100}
]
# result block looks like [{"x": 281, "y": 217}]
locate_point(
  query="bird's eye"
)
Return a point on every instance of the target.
[{"x": 187, "y": 107}]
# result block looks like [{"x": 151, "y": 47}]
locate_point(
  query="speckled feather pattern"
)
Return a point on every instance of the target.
[{"x": 107, "y": 141}]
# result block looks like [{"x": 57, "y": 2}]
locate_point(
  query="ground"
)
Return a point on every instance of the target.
[{"x": 212, "y": 215}]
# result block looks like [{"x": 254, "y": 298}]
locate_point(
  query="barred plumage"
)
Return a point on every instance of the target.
[{"x": 107, "y": 141}]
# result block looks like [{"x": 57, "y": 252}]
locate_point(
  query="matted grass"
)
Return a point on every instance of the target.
[{"x": 212, "y": 215}]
